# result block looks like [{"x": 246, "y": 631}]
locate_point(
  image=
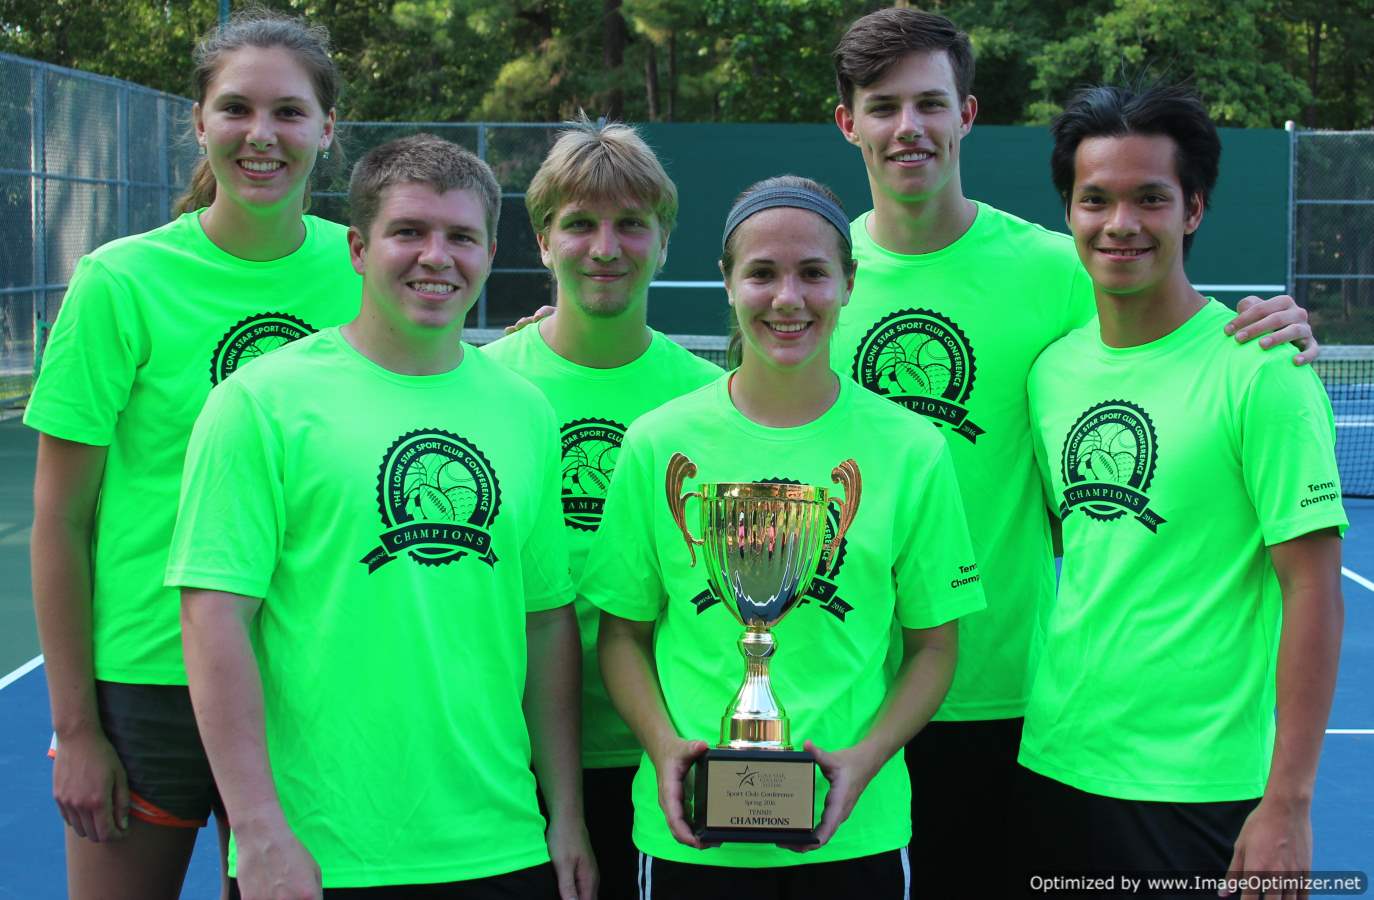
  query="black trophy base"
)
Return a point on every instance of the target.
[{"x": 753, "y": 796}]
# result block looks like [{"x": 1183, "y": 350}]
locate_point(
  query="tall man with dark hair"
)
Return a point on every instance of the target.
[
  {"x": 952, "y": 303},
  {"x": 1197, "y": 485}
]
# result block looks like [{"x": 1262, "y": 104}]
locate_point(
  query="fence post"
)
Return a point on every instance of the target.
[
  {"x": 482, "y": 155},
  {"x": 1292, "y": 128},
  {"x": 122, "y": 160},
  {"x": 39, "y": 162},
  {"x": 164, "y": 175}
]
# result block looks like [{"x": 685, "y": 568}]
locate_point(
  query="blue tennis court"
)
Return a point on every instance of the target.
[{"x": 31, "y": 861}]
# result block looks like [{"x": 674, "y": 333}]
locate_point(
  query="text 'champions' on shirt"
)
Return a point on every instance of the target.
[{"x": 1173, "y": 466}]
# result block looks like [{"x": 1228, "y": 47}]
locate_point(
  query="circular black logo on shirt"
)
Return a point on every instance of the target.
[
  {"x": 253, "y": 337},
  {"x": 438, "y": 495},
  {"x": 590, "y": 448},
  {"x": 923, "y": 361},
  {"x": 1108, "y": 463}
]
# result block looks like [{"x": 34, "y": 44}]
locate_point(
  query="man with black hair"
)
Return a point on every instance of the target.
[
  {"x": 952, "y": 303},
  {"x": 1196, "y": 483}
]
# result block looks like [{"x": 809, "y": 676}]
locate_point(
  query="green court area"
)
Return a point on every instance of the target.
[{"x": 18, "y": 639}]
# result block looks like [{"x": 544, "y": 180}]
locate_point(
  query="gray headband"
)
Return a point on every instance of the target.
[{"x": 795, "y": 198}]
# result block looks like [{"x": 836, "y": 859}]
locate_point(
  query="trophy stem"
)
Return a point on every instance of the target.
[{"x": 755, "y": 720}]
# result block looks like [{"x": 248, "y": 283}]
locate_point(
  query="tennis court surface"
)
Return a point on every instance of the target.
[{"x": 31, "y": 863}]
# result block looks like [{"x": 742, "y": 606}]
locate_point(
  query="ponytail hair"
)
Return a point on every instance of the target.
[
  {"x": 255, "y": 26},
  {"x": 200, "y": 193}
]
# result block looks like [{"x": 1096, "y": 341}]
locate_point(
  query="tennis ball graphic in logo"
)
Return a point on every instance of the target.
[
  {"x": 1107, "y": 463},
  {"x": 588, "y": 466},
  {"x": 914, "y": 365},
  {"x": 262, "y": 347},
  {"x": 1108, "y": 454},
  {"x": 439, "y": 489},
  {"x": 252, "y": 338},
  {"x": 590, "y": 449},
  {"x": 923, "y": 361},
  {"x": 438, "y": 495}
]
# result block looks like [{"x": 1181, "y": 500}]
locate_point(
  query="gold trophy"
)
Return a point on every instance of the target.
[{"x": 764, "y": 542}]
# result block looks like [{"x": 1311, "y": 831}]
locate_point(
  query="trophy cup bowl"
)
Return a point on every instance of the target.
[{"x": 763, "y": 543}]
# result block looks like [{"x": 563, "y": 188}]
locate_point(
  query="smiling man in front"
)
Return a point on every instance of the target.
[
  {"x": 375, "y": 517},
  {"x": 1196, "y": 484}
]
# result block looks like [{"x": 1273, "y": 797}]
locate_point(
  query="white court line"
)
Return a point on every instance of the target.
[
  {"x": 20, "y": 672},
  {"x": 1237, "y": 288},
  {"x": 1350, "y": 731},
  {"x": 1358, "y": 579}
]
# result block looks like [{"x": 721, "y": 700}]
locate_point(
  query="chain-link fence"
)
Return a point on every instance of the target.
[
  {"x": 83, "y": 160},
  {"x": 86, "y": 159},
  {"x": 1332, "y": 259}
]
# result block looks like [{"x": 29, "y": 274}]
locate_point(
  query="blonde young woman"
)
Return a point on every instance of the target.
[
  {"x": 149, "y": 325},
  {"x": 668, "y": 646}
]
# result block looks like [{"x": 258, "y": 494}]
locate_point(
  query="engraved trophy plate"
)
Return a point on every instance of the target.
[{"x": 763, "y": 543}]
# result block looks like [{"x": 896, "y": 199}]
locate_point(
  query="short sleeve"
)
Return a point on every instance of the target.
[
  {"x": 1042, "y": 460},
  {"x": 90, "y": 361},
  {"x": 1287, "y": 445},
  {"x": 1082, "y": 300},
  {"x": 937, "y": 578},
  {"x": 231, "y": 519},
  {"x": 544, "y": 559},
  {"x": 623, "y": 575}
]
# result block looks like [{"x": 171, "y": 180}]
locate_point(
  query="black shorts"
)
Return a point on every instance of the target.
[
  {"x": 882, "y": 876},
  {"x": 153, "y": 730},
  {"x": 610, "y": 820},
  {"x": 964, "y": 816},
  {"x": 1071, "y": 832},
  {"x": 534, "y": 883}
]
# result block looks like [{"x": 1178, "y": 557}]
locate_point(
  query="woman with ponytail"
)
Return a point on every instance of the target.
[{"x": 150, "y": 323}]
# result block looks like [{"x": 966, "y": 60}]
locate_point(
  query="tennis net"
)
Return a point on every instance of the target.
[
  {"x": 1348, "y": 374},
  {"x": 1346, "y": 371},
  {"x": 707, "y": 346}
]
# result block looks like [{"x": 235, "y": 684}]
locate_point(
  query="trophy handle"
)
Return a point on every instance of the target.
[
  {"x": 680, "y": 468},
  {"x": 846, "y": 475}
]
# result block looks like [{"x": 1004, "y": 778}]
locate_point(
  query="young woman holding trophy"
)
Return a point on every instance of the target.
[{"x": 756, "y": 452}]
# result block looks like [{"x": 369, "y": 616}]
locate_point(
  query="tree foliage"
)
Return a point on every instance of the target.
[
  {"x": 1229, "y": 50},
  {"x": 1257, "y": 62},
  {"x": 147, "y": 43}
]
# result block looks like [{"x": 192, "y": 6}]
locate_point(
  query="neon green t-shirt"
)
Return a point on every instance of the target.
[
  {"x": 952, "y": 335},
  {"x": 398, "y": 528},
  {"x": 906, "y": 558},
  {"x": 594, "y": 408},
  {"x": 149, "y": 324},
  {"x": 1173, "y": 465}
]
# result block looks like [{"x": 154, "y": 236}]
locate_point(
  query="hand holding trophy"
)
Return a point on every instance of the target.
[{"x": 763, "y": 542}]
